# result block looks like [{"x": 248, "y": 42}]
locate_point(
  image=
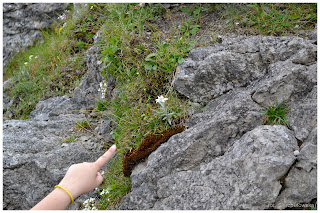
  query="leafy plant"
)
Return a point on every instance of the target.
[
  {"x": 189, "y": 29},
  {"x": 276, "y": 115},
  {"x": 72, "y": 138},
  {"x": 83, "y": 124}
]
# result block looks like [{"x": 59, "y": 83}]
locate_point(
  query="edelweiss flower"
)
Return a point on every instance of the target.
[{"x": 161, "y": 99}]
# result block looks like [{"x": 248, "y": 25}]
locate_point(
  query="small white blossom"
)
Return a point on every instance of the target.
[
  {"x": 161, "y": 99},
  {"x": 296, "y": 152},
  {"x": 25, "y": 63},
  {"x": 91, "y": 7},
  {"x": 89, "y": 204},
  {"x": 99, "y": 62},
  {"x": 30, "y": 57},
  {"x": 237, "y": 23},
  {"x": 103, "y": 89},
  {"x": 104, "y": 192},
  {"x": 36, "y": 56}
]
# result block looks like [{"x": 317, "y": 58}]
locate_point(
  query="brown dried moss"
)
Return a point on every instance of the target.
[{"x": 150, "y": 143}]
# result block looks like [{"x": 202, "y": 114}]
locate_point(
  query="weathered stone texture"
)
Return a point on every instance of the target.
[{"x": 225, "y": 159}]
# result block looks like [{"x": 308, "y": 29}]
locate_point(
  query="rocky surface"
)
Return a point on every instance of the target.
[
  {"x": 38, "y": 152},
  {"x": 226, "y": 159},
  {"x": 212, "y": 71},
  {"x": 23, "y": 22}
]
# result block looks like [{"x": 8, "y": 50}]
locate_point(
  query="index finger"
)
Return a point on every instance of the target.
[{"x": 105, "y": 157}]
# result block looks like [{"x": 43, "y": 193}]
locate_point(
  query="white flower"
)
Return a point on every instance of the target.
[
  {"x": 104, "y": 192},
  {"x": 30, "y": 57},
  {"x": 296, "y": 152},
  {"x": 103, "y": 89},
  {"x": 36, "y": 56},
  {"x": 99, "y": 62},
  {"x": 25, "y": 63},
  {"x": 91, "y": 7},
  {"x": 161, "y": 99},
  {"x": 237, "y": 23}
]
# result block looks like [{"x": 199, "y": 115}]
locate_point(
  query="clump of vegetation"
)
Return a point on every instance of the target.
[
  {"x": 102, "y": 106},
  {"x": 82, "y": 125},
  {"x": 276, "y": 115},
  {"x": 270, "y": 19},
  {"x": 70, "y": 139}
]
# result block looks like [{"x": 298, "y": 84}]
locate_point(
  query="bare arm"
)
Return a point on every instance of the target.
[{"x": 79, "y": 179}]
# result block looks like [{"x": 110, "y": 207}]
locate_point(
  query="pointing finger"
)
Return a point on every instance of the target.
[{"x": 105, "y": 157}]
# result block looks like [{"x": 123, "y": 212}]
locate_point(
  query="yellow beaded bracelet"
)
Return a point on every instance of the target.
[{"x": 65, "y": 191}]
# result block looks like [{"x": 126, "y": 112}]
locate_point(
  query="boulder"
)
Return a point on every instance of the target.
[
  {"x": 35, "y": 159},
  {"x": 209, "y": 72},
  {"x": 245, "y": 177},
  {"x": 23, "y": 22},
  {"x": 226, "y": 159}
]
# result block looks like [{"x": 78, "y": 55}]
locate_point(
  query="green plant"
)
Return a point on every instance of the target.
[
  {"x": 102, "y": 106},
  {"x": 276, "y": 115},
  {"x": 189, "y": 29},
  {"x": 163, "y": 112},
  {"x": 83, "y": 124},
  {"x": 72, "y": 138}
]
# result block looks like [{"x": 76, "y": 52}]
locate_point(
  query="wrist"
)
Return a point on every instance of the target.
[{"x": 64, "y": 193}]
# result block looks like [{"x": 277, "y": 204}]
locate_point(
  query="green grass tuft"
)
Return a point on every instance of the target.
[
  {"x": 82, "y": 125},
  {"x": 276, "y": 115}
]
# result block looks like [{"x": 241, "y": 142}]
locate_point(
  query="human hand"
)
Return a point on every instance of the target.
[{"x": 84, "y": 177}]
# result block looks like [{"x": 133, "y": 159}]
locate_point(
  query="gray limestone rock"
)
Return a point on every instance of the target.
[
  {"x": 245, "y": 177},
  {"x": 224, "y": 159},
  {"x": 34, "y": 160},
  {"x": 238, "y": 62},
  {"x": 301, "y": 182}
]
